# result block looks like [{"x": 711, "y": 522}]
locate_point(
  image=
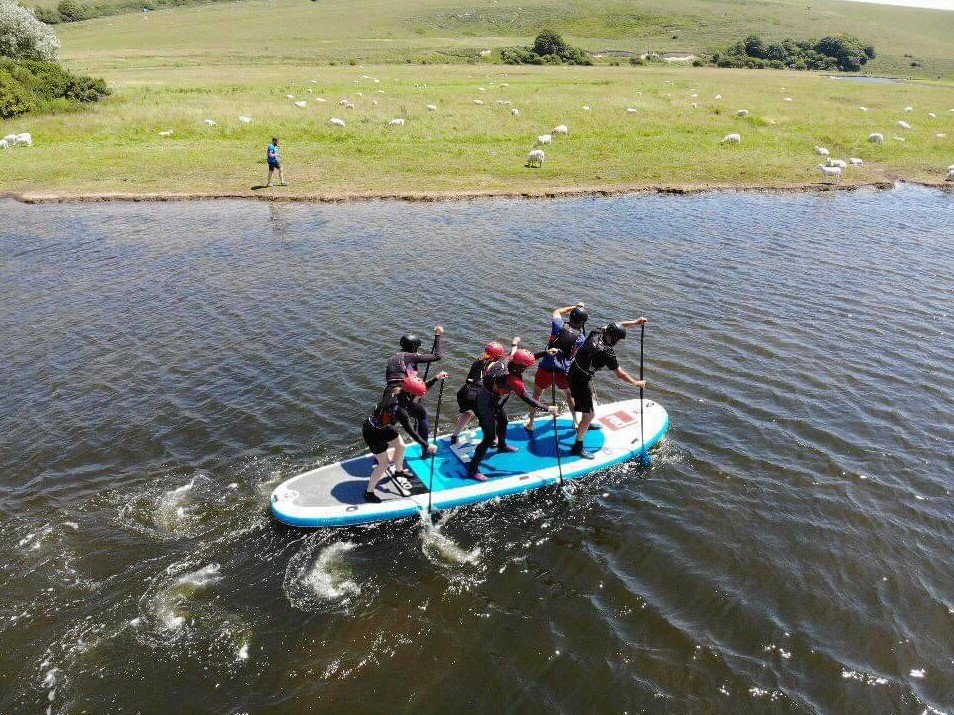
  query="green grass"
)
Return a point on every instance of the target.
[
  {"x": 172, "y": 69},
  {"x": 464, "y": 147}
]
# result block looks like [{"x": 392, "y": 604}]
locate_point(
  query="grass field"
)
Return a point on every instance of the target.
[{"x": 171, "y": 70}]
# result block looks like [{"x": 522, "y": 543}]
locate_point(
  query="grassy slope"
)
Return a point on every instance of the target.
[{"x": 175, "y": 68}]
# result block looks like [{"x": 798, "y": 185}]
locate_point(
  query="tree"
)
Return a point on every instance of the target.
[
  {"x": 22, "y": 36},
  {"x": 549, "y": 43}
]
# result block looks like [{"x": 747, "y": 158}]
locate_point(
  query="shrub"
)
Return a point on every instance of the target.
[
  {"x": 548, "y": 48},
  {"x": 22, "y": 36},
  {"x": 29, "y": 85},
  {"x": 14, "y": 99},
  {"x": 839, "y": 52}
]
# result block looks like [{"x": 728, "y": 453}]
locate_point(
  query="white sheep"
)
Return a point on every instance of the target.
[
  {"x": 302, "y": 104},
  {"x": 535, "y": 159},
  {"x": 4, "y": 144},
  {"x": 507, "y": 103},
  {"x": 561, "y": 129},
  {"x": 822, "y": 151},
  {"x": 337, "y": 122},
  {"x": 694, "y": 105},
  {"x": 789, "y": 99},
  {"x": 478, "y": 101},
  {"x": 830, "y": 174},
  {"x": 897, "y": 138},
  {"x": 903, "y": 124},
  {"x": 167, "y": 133},
  {"x": 499, "y": 102},
  {"x": 855, "y": 161},
  {"x": 321, "y": 99},
  {"x": 863, "y": 109},
  {"x": 718, "y": 96},
  {"x": 876, "y": 138},
  {"x": 909, "y": 109},
  {"x": 431, "y": 107},
  {"x": 211, "y": 122},
  {"x": 26, "y": 139},
  {"x": 290, "y": 96},
  {"x": 374, "y": 103},
  {"x": 342, "y": 102},
  {"x": 940, "y": 135},
  {"x": 349, "y": 105},
  {"x": 742, "y": 113},
  {"x": 693, "y": 95},
  {"x": 932, "y": 115},
  {"x": 515, "y": 112},
  {"x": 841, "y": 164},
  {"x": 731, "y": 139},
  {"x": 10, "y": 138},
  {"x": 396, "y": 122},
  {"x": 950, "y": 173},
  {"x": 245, "y": 120},
  {"x": 586, "y": 108},
  {"x": 504, "y": 84},
  {"x": 632, "y": 110},
  {"x": 544, "y": 139}
]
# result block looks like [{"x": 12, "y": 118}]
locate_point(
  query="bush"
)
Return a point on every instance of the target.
[
  {"x": 30, "y": 85},
  {"x": 22, "y": 36},
  {"x": 47, "y": 15},
  {"x": 14, "y": 99},
  {"x": 840, "y": 52},
  {"x": 548, "y": 48}
]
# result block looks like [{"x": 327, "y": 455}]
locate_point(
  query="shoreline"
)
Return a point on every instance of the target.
[{"x": 448, "y": 196}]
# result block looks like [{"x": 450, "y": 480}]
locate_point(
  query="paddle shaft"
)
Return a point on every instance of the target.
[
  {"x": 642, "y": 434},
  {"x": 437, "y": 421},
  {"x": 427, "y": 366},
  {"x": 556, "y": 436}
]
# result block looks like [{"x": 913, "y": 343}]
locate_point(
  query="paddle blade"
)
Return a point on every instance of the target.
[{"x": 645, "y": 460}]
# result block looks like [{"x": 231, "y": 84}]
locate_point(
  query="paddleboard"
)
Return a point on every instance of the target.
[{"x": 333, "y": 495}]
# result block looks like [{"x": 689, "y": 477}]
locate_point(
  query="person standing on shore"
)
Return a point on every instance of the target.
[
  {"x": 596, "y": 353},
  {"x": 274, "y": 162}
]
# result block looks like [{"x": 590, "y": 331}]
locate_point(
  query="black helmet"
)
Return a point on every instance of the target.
[
  {"x": 614, "y": 332},
  {"x": 410, "y": 343},
  {"x": 578, "y": 316}
]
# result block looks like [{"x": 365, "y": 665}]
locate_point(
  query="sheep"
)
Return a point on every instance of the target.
[
  {"x": 360, "y": 94},
  {"x": 504, "y": 84},
  {"x": 4, "y": 144},
  {"x": 535, "y": 159},
  {"x": 349, "y": 105},
  {"x": 561, "y": 129},
  {"x": 694, "y": 105},
  {"x": 863, "y": 109},
  {"x": 789, "y": 99},
  {"x": 245, "y": 120},
  {"x": 932, "y": 115},
  {"x": 374, "y": 103},
  {"x": 632, "y": 110},
  {"x": 909, "y": 109},
  {"x": 836, "y": 162},
  {"x": 478, "y": 101},
  {"x": 290, "y": 96},
  {"x": 742, "y": 113},
  {"x": 693, "y": 95},
  {"x": 876, "y": 138},
  {"x": 544, "y": 139},
  {"x": 321, "y": 99},
  {"x": 211, "y": 122},
  {"x": 950, "y": 173},
  {"x": 718, "y": 96},
  {"x": 514, "y": 112},
  {"x": 940, "y": 135},
  {"x": 903, "y": 124},
  {"x": 854, "y": 161},
  {"x": 639, "y": 94},
  {"x": 507, "y": 103},
  {"x": 499, "y": 102},
  {"x": 337, "y": 122},
  {"x": 167, "y": 133},
  {"x": 586, "y": 108},
  {"x": 897, "y": 138},
  {"x": 10, "y": 138},
  {"x": 822, "y": 151},
  {"x": 430, "y": 107},
  {"x": 396, "y": 122},
  {"x": 731, "y": 139},
  {"x": 302, "y": 104},
  {"x": 26, "y": 139},
  {"x": 311, "y": 91},
  {"x": 343, "y": 102},
  {"x": 481, "y": 89},
  {"x": 830, "y": 172}
]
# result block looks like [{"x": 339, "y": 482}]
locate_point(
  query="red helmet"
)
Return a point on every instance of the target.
[
  {"x": 495, "y": 350},
  {"x": 413, "y": 385},
  {"x": 523, "y": 358}
]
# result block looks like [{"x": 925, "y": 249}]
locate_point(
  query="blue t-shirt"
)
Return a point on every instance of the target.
[
  {"x": 273, "y": 153},
  {"x": 559, "y": 363}
]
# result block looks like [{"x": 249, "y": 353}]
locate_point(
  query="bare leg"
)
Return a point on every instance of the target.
[
  {"x": 537, "y": 391},
  {"x": 380, "y": 467},
  {"x": 584, "y": 425},
  {"x": 398, "y": 445},
  {"x": 462, "y": 419},
  {"x": 281, "y": 176}
]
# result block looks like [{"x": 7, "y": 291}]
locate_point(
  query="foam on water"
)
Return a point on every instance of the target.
[{"x": 322, "y": 576}]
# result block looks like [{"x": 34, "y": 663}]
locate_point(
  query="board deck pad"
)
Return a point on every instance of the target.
[{"x": 333, "y": 495}]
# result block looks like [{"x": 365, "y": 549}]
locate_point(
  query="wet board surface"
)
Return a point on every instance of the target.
[{"x": 333, "y": 495}]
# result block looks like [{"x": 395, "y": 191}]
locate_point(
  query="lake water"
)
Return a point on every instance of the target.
[{"x": 791, "y": 550}]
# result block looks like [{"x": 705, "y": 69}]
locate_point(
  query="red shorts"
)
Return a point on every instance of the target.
[{"x": 545, "y": 378}]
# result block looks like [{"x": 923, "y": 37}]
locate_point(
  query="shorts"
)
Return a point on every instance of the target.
[
  {"x": 274, "y": 165},
  {"x": 377, "y": 438},
  {"x": 581, "y": 391},
  {"x": 467, "y": 398},
  {"x": 544, "y": 379}
]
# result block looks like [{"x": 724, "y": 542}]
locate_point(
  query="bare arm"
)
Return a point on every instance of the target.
[
  {"x": 634, "y": 323},
  {"x": 565, "y": 310},
  {"x": 626, "y": 377}
]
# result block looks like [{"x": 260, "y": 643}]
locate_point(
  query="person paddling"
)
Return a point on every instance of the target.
[
  {"x": 406, "y": 362},
  {"x": 467, "y": 394},
  {"x": 596, "y": 353},
  {"x": 566, "y": 335},
  {"x": 502, "y": 379},
  {"x": 380, "y": 434}
]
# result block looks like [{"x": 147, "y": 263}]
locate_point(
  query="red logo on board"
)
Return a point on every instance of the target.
[{"x": 617, "y": 420}]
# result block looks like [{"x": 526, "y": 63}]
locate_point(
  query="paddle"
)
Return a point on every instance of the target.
[
  {"x": 437, "y": 421},
  {"x": 564, "y": 487},
  {"x": 427, "y": 366},
  {"x": 644, "y": 457}
]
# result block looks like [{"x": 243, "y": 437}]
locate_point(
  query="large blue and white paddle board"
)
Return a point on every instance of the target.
[{"x": 333, "y": 495}]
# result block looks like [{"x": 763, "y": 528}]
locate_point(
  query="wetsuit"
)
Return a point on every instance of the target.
[
  {"x": 379, "y": 428},
  {"x": 554, "y": 368},
  {"x": 400, "y": 365},
  {"x": 495, "y": 389},
  {"x": 467, "y": 395},
  {"x": 593, "y": 355}
]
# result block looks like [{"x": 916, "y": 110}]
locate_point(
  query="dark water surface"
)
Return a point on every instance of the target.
[{"x": 165, "y": 366}]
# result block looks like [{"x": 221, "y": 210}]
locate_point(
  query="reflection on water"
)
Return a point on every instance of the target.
[{"x": 165, "y": 366}]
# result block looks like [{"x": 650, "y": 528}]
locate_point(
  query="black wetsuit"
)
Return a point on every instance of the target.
[
  {"x": 467, "y": 395},
  {"x": 379, "y": 428},
  {"x": 495, "y": 389},
  {"x": 593, "y": 355},
  {"x": 400, "y": 365}
]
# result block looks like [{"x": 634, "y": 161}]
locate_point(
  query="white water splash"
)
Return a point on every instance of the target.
[
  {"x": 330, "y": 577},
  {"x": 171, "y": 602},
  {"x": 170, "y": 508},
  {"x": 438, "y": 546}
]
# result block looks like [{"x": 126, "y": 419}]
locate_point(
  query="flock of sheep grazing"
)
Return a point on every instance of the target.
[{"x": 24, "y": 139}]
